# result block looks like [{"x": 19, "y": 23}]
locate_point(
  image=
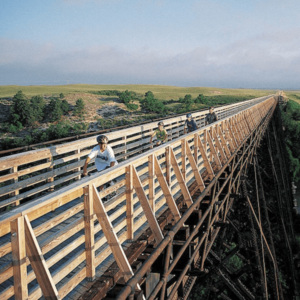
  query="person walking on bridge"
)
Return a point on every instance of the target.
[
  {"x": 190, "y": 124},
  {"x": 211, "y": 117},
  {"x": 103, "y": 154},
  {"x": 160, "y": 133}
]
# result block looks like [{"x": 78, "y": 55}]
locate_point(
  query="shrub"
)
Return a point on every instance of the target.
[
  {"x": 65, "y": 106},
  {"x": 79, "y": 109},
  {"x": 151, "y": 104},
  {"x": 61, "y": 96},
  {"x": 132, "y": 106},
  {"x": 55, "y": 108}
]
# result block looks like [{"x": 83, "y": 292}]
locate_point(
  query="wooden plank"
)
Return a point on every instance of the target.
[
  {"x": 129, "y": 202},
  {"x": 19, "y": 258},
  {"x": 206, "y": 162},
  {"x": 146, "y": 207},
  {"x": 151, "y": 181},
  {"x": 166, "y": 190},
  {"x": 89, "y": 232},
  {"x": 38, "y": 263},
  {"x": 184, "y": 189},
  {"x": 194, "y": 168}
]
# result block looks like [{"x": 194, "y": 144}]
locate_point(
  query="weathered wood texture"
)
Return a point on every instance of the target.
[{"x": 65, "y": 241}]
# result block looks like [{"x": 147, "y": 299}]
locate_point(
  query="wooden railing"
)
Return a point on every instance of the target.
[
  {"x": 66, "y": 235},
  {"x": 31, "y": 174}
]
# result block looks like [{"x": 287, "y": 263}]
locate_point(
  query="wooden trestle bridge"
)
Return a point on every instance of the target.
[{"x": 156, "y": 234}]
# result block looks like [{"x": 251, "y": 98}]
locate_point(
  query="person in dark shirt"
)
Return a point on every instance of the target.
[
  {"x": 190, "y": 124},
  {"x": 211, "y": 116}
]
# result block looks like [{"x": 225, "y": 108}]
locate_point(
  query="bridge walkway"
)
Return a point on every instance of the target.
[{"x": 54, "y": 245}]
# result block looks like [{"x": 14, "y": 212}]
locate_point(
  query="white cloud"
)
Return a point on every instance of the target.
[{"x": 240, "y": 64}]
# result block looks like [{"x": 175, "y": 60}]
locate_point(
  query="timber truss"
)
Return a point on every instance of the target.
[{"x": 172, "y": 208}]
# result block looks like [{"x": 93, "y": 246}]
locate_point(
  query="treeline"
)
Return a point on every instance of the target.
[
  {"x": 31, "y": 111},
  {"x": 291, "y": 121}
]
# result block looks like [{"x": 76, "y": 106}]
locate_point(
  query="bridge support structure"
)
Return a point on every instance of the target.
[{"x": 172, "y": 208}]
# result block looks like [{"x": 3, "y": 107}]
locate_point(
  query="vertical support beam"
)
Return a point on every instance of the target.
[
  {"x": 14, "y": 180},
  {"x": 146, "y": 207},
  {"x": 224, "y": 143},
  {"x": 89, "y": 232},
  {"x": 129, "y": 202},
  {"x": 168, "y": 165},
  {"x": 19, "y": 258},
  {"x": 166, "y": 190},
  {"x": 151, "y": 182},
  {"x": 183, "y": 157},
  {"x": 185, "y": 191},
  {"x": 38, "y": 264}
]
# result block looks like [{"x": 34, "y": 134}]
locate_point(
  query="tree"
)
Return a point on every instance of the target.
[
  {"x": 125, "y": 97},
  {"x": 21, "y": 110},
  {"x": 65, "y": 106},
  {"x": 56, "y": 111},
  {"x": 38, "y": 104},
  {"x": 188, "y": 101},
  {"x": 151, "y": 104},
  {"x": 61, "y": 96},
  {"x": 79, "y": 109}
]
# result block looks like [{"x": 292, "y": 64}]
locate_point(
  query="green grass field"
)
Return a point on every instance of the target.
[{"x": 161, "y": 92}]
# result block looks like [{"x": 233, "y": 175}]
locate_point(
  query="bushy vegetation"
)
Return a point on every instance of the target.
[
  {"x": 79, "y": 108},
  {"x": 128, "y": 97},
  {"x": 107, "y": 92},
  {"x": 58, "y": 131},
  {"x": 291, "y": 122},
  {"x": 151, "y": 104},
  {"x": 26, "y": 112}
]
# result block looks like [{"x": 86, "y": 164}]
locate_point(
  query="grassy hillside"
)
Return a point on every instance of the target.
[{"x": 161, "y": 92}]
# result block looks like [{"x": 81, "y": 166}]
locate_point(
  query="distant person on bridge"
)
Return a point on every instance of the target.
[
  {"x": 160, "y": 133},
  {"x": 211, "y": 117},
  {"x": 104, "y": 156},
  {"x": 190, "y": 124}
]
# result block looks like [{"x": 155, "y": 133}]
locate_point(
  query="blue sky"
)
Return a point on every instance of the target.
[{"x": 234, "y": 44}]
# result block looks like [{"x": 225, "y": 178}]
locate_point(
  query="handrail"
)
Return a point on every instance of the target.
[
  {"x": 57, "y": 219},
  {"x": 27, "y": 175}
]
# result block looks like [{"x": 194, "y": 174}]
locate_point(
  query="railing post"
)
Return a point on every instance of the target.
[
  {"x": 89, "y": 232},
  {"x": 183, "y": 159},
  {"x": 129, "y": 202},
  {"x": 151, "y": 182},
  {"x": 196, "y": 148},
  {"x": 79, "y": 168},
  {"x": 14, "y": 170},
  {"x": 50, "y": 179},
  {"x": 124, "y": 138},
  {"x": 19, "y": 258},
  {"x": 168, "y": 165}
]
